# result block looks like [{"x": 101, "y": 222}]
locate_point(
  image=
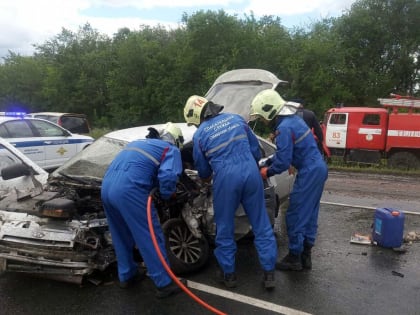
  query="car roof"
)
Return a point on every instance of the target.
[
  {"x": 236, "y": 89},
  {"x": 58, "y": 114},
  {"x": 7, "y": 118},
  {"x": 136, "y": 133}
]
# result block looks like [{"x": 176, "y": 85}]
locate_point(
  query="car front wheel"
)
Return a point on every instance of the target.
[{"x": 186, "y": 253}]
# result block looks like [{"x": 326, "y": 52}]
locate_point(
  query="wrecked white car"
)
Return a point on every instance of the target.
[
  {"x": 57, "y": 228},
  {"x": 46, "y": 232}
]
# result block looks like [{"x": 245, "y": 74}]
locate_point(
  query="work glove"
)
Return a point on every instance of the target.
[
  {"x": 169, "y": 202},
  {"x": 263, "y": 172},
  {"x": 153, "y": 133},
  {"x": 207, "y": 179},
  {"x": 265, "y": 162},
  {"x": 292, "y": 170}
]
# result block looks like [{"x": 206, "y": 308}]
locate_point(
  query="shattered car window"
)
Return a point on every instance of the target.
[
  {"x": 6, "y": 158},
  {"x": 94, "y": 162}
]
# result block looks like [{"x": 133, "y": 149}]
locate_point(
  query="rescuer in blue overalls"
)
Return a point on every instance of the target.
[
  {"x": 140, "y": 167},
  {"x": 295, "y": 147},
  {"x": 225, "y": 147}
]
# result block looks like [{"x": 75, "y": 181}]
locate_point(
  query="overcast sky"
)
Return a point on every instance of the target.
[{"x": 27, "y": 22}]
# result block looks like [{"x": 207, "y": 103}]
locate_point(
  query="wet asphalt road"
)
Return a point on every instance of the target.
[{"x": 346, "y": 279}]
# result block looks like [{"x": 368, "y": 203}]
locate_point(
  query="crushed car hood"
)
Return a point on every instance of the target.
[{"x": 236, "y": 89}]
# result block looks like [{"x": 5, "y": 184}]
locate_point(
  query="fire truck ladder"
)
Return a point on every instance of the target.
[{"x": 400, "y": 101}]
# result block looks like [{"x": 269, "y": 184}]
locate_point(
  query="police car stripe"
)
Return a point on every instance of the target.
[{"x": 37, "y": 143}]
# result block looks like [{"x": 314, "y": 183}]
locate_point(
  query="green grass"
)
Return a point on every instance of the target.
[
  {"x": 337, "y": 164},
  {"x": 99, "y": 132}
]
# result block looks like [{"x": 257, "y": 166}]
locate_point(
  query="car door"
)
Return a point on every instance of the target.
[
  {"x": 58, "y": 144},
  {"x": 21, "y": 135},
  {"x": 10, "y": 156},
  {"x": 336, "y": 135}
]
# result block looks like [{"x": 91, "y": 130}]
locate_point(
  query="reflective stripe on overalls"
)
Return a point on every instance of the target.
[
  {"x": 224, "y": 144},
  {"x": 157, "y": 163},
  {"x": 303, "y": 136}
]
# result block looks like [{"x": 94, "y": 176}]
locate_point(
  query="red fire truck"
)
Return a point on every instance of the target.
[{"x": 368, "y": 134}]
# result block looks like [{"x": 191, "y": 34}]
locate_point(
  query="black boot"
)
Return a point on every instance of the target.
[
  {"x": 228, "y": 279},
  {"x": 171, "y": 289},
  {"x": 290, "y": 262},
  {"x": 306, "y": 256},
  {"x": 139, "y": 276},
  {"x": 269, "y": 280}
]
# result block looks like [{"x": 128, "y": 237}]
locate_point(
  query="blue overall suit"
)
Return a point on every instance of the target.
[
  {"x": 225, "y": 145},
  {"x": 296, "y": 146},
  {"x": 141, "y": 166}
]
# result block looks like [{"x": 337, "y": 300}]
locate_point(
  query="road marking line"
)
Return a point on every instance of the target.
[{"x": 245, "y": 299}]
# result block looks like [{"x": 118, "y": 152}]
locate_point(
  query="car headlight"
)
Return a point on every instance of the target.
[{"x": 58, "y": 208}]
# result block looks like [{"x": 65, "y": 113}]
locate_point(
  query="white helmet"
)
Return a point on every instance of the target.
[
  {"x": 193, "y": 108},
  {"x": 172, "y": 134},
  {"x": 268, "y": 104}
]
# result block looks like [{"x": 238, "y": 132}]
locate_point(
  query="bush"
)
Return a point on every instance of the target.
[{"x": 99, "y": 132}]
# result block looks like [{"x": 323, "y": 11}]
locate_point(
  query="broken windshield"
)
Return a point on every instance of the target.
[{"x": 93, "y": 161}]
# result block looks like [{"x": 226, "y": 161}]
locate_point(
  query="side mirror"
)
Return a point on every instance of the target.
[
  {"x": 15, "y": 170},
  {"x": 18, "y": 170}
]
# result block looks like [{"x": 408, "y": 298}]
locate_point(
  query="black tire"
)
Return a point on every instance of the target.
[
  {"x": 186, "y": 253},
  {"x": 404, "y": 160}
]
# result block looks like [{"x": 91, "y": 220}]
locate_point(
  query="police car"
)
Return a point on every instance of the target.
[{"x": 44, "y": 142}]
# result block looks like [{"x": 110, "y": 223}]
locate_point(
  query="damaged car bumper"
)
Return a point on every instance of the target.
[{"x": 64, "y": 250}]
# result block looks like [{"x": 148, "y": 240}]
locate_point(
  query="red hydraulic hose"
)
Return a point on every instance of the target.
[{"x": 165, "y": 265}]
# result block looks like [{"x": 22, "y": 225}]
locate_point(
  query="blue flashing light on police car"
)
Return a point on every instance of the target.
[{"x": 13, "y": 114}]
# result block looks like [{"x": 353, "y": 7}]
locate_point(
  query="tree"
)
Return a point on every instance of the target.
[
  {"x": 21, "y": 83},
  {"x": 380, "y": 38},
  {"x": 316, "y": 65},
  {"x": 145, "y": 76},
  {"x": 76, "y": 67}
]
